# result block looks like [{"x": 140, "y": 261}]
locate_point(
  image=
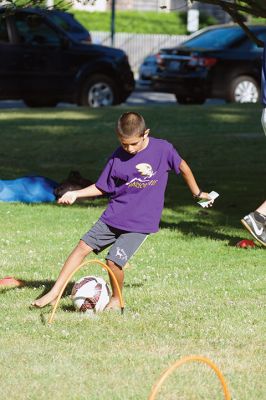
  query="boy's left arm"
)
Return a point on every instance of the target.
[{"x": 191, "y": 182}]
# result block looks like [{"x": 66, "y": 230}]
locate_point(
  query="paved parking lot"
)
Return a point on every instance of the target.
[{"x": 138, "y": 97}]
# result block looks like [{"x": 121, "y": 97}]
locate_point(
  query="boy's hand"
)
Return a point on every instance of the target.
[
  {"x": 207, "y": 199},
  {"x": 68, "y": 198},
  {"x": 205, "y": 196}
]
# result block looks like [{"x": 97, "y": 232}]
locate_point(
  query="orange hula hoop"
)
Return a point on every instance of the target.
[
  {"x": 122, "y": 305},
  {"x": 184, "y": 360}
]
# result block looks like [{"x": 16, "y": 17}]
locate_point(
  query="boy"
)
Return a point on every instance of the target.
[{"x": 135, "y": 177}]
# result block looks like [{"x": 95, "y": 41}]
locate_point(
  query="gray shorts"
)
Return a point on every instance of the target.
[{"x": 124, "y": 244}]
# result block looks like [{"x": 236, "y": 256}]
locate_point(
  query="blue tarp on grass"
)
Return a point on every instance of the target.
[{"x": 28, "y": 189}]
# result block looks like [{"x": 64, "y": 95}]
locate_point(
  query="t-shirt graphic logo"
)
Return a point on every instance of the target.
[
  {"x": 147, "y": 173},
  {"x": 145, "y": 170},
  {"x": 121, "y": 254}
]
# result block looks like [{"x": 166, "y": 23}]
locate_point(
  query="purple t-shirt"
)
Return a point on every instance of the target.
[{"x": 136, "y": 184}]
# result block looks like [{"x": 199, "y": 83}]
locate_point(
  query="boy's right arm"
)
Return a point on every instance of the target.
[{"x": 71, "y": 197}]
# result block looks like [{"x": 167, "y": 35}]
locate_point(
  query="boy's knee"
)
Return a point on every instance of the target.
[
  {"x": 112, "y": 264},
  {"x": 83, "y": 248}
]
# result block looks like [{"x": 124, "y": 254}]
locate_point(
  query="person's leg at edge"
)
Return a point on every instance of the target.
[
  {"x": 72, "y": 262},
  {"x": 255, "y": 223},
  {"x": 262, "y": 208},
  {"x": 118, "y": 272}
]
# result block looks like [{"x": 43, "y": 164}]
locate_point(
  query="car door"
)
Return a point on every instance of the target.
[
  {"x": 258, "y": 51},
  {"x": 241, "y": 59},
  {"x": 250, "y": 54},
  {"x": 38, "y": 56}
]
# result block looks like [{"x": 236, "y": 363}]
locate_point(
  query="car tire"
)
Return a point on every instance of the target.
[
  {"x": 186, "y": 100},
  {"x": 244, "y": 89},
  {"x": 98, "y": 91},
  {"x": 34, "y": 103}
]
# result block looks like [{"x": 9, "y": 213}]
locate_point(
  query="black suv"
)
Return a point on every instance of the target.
[
  {"x": 43, "y": 65},
  {"x": 70, "y": 25},
  {"x": 217, "y": 62}
]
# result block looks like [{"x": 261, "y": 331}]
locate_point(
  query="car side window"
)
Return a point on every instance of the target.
[
  {"x": 262, "y": 37},
  {"x": 32, "y": 29},
  {"x": 3, "y": 30},
  {"x": 249, "y": 45},
  {"x": 245, "y": 44}
]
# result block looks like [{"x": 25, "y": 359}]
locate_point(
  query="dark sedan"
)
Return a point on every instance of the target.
[{"x": 217, "y": 62}]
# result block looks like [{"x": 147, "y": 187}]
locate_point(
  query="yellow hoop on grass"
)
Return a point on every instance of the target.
[
  {"x": 122, "y": 305},
  {"x": 184, "y": 360}
]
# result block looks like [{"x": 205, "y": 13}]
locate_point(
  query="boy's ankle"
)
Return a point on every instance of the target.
[{"x": 114, "y": 304}]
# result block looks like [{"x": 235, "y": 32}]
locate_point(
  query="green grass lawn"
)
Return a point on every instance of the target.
[
  {"x": 188, "y": 290},
  {"x": 150, "y": 22}
]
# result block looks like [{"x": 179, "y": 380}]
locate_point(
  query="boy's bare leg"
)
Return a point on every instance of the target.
[
  {"x": 118, "y": 272},
  {"x": 74, "y": 259}
]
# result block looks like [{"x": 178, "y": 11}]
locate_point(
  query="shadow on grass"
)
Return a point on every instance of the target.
[
  {"x": 48, "y": 284},
  {"x": 133, "y": 285},
  {"x": 45, "y": 284},
  {"x": 100, "y": 202},
  {"x": 201, "y": 229},
  {"x": 68, "y": 308}
]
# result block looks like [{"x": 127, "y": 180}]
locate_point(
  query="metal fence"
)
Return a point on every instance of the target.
[{"x": 138, "y": 46}]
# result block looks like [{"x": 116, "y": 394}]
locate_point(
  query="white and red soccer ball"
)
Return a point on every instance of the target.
[{"x": 90, "y": 294}]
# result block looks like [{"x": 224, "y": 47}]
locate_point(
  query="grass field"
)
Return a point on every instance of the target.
[
  {"x": 188, "y": 290},
  {"x": 173, "y": 23}
]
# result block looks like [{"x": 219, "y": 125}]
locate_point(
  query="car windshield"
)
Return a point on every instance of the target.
[
  {"x": 215, "y": 38},
  {"x": 67, "y": 23}
]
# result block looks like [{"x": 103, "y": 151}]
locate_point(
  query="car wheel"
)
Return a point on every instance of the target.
[
  {"x": 190, "y": 100},
  {"x": 244, "y": 89},
  {"x": 34, "y": 103},
  {"x": 98, "y": 91}
]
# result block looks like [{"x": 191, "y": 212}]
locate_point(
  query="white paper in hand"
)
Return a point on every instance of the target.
[{"x": 204, "y": 203}]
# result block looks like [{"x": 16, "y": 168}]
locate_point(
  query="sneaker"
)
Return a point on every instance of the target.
[{"x": 255, "y": 223}]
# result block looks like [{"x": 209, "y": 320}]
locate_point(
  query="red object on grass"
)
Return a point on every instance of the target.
[
  {"x": 246, "y": 244},
  {"x": 10, "y": 281}
]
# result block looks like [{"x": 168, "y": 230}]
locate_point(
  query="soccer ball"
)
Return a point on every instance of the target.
[{"x": 90, "y": 294}]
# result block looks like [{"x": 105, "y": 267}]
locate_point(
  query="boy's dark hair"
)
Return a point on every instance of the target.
[{"x": 131, "y": 124}]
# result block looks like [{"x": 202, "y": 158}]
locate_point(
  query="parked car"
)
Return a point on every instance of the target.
[
  {"x": 43, "y": 64},
  {"x": 217, "y": 62},
  {"x": 69, "y": 24},
  {"x": 147, "y": 69}
]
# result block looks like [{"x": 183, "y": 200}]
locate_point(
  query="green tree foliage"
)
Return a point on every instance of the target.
[
  {"x": 237, "y": 8},
  {"x": 252, "y": 7}
]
